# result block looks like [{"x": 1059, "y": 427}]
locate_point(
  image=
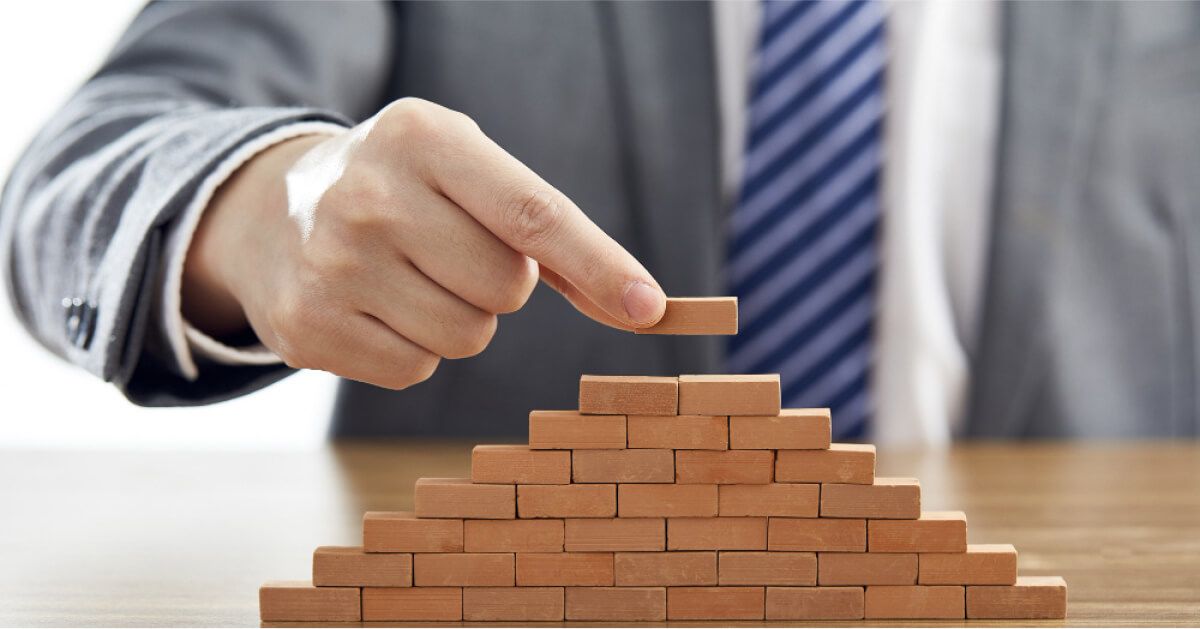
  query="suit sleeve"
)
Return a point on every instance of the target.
[{"x": 85, "y": 213}]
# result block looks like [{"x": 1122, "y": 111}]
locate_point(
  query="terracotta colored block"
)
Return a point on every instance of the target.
[
  {"x": 815, "y": 603},
  {"x": 566, "y": 430},
  {"x": 623, "y": 466},
  {"x": 697, "y": 315},
  {"x": 566, "y": 501},
  {"x": 402, "y": 531},
  {"x": 1031, "y": 597},
  {"x": 614, "y": 534},
  {"x": 776, "y": 499},
  {"x": 519, "y": 465},
  {"x": 791, "y": 429},
  {"x": 817, "y": 535},
  {"x": 513, "y": 536},
  {"x": 887, "y": 498},
  {"x": 767, "y": 568},
  {"x": 729, "y": 395},
  {"x": 462, "y": 569},
  {"x": 300, "y": 601},
  {"x": 666, "y": 500},
  {"x": 515, "y": 604},
  {"x": 617, "y": 604},
  {"x": 847, "y": 463},
  {"x": 628, "y": 395},
  {"x": 716, "y": 534},
  {"x": 412, "y": 604},
  {"x": 933, "y": 532},
  {"x": 564, "y": 569},
  {"x": 867, "y": 569},
  {"x": 915, "y": 602},
  {"x": 680, "y": 432},
  {"x": 716, "y": 603},
  {"x": 982, "y": 564},
  {"x": 673, "y": 568},
  {"x": 460, "y": 498},
  {"x": 350, "y": 566},
  {"x": 724, "y": 467}
]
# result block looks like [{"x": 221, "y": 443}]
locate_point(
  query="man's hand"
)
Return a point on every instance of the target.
[{"x": 376, "y": 253}]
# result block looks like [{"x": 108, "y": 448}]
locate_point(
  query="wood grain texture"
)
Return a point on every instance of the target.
[
  {"x": 301, "y": 601},
  {"x": 402, "y": 532},
  {"x": 697, "y": 315},
  {"x": 887, "y": 497},
  {"x": 628, "y": 395},
  {"x": 791, "y": 429},
  {"x": 679, "y": 432},
  {"x": 753, "y": 394},
  {"x": 351, "y": 567},
  {"x": 566, "y": 430}
]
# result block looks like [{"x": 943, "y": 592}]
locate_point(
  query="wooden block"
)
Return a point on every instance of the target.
[
  {"x": 564, "y": 569},
  {"x": 775, "y": 499},
  {"x": 791, "y": 429},
  {"x": 982, "y": 564},
  {"x": 815, "y": 603},
  {"x": 673, "y": 568},
  {"x": 460, "y": 498},
  {"x": 1030, "y": 597},
  {"x": 566, "y": 430},
  {"x": 680, "y": 432},
  {"x": 915, "y": 602},
  {"x": 616, "y": 534},
  {"x": 724, "y": 467},
  {"x": 515, "y": 604},
  {"x": 666, "y": 501},
  {"x": 817, "y": 535},
  {"x": 617, "y": 604},
  {"x": 867, "y": 569},
  {"x": 628, "y": 395},
  {"x": 933, "y": 532},
  {"x": 462, "y": 569},
  {"x": 847, "y": 463},
  {"x": 887, "y": 498},
  {"x": 715, "y": 603},
  {"x": 412, "y": 604},
  {"x": 729, "y": 395},
  {"x": 519, "y": 465},
  {"x": 716, "y": 534},
  {"x": 566, "y": 501},
  {"x": 403, "y": 532},
  {"x": 697, "y": 315},
  {"x": 300, "y": 601},
  {"x": 767, "y": 568},
  {"x": 513, "y": 536},
  {"x": 350, "y": 566},
  {"x": 623, "y": 466}
]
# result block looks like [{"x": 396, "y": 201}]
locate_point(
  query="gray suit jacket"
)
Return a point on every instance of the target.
[{"x": 1090, "y": 316}]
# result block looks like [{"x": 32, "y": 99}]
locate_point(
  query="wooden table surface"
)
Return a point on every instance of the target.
[{"x": 167, "y": 538}]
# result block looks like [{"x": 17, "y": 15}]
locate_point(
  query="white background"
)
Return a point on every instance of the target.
[{"x": 47, "y": 48}]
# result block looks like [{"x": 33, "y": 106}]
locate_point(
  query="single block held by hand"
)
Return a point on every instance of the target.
[
  {"x": 1031, "y": 597},
  {"x": 520, "y": 465},
  {"x": 628, "y": 395},
  {"x": 697, "y": 315},
  {"x": 460, "y": 498},
  {"x": 300, "y": 601},
  {"x": 351, "y": 567},
  {"x": 567, "y": 430},
  {"x": 729, "y": 394}
]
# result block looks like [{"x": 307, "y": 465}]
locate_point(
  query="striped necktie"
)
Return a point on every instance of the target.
[{"x": 802, "y": 238}]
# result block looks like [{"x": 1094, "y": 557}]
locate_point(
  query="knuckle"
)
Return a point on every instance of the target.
[
  {"x": 476, "y": 336},
  {"x": 516, "y": 287},
  {"x": 417, "y": 370},
  {"x": 415, "y": 118},
  {"x": 533, "y": 217}
]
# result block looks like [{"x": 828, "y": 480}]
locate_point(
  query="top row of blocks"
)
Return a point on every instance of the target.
[{"x": 756, "y": 395}]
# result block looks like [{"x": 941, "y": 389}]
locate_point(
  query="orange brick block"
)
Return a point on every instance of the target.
[
  {"x": 350, "y": 566},
  {"x": 815, "y": 603},
  {"x": 915, "y": 602},
  {"x": 776, "y": 499},
  {"x": 513, "y": 536},
  {"x": 697, "y": 315},
  {"x": 462, "y": 569},
  {"x": 887, "y": 498},
  {"x": 564, "y": 569},
  {"x": 672, "y": 568},
  {"x": 623, "y": 466},
  {"x": 817, "y": 535},
  {"x": 680, "y": 432},
  {"x": 412, "y": 604},
  {"x": 460, "y": 498},
  {"x": 566, "y": 430},
  {"x": 566, "y": 501},
  {"x": 867, "y": 569},
  {"x": 617, "y": 604},
  {"x": 300, "y": 601},
  {"x": 848, "y": 463},
  {"x": 933, "y": 532},
  {"x": 401, "y": 531},
  {"x": 729, "y": 395},
  {"x": 666, "y": 500},
  {"x": 716, "y": 533},
  {"x": 715, "y": 603},
  {"x": 520, "y": 465},
  {"x": 628, "y": 395},
  {"x": 616, "y": 534},
  {"x": 767, "y": 568},
  {"x": 1031, "y": 597},
  {"x": 982, "y": 564},
  {"x": 791, "y": 429},
  {"x": 515, "y": 604},
  {"x": 724, "y": 467}
]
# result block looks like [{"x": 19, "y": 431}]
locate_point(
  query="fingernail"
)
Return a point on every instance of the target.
[{"x": 644, "y": 304}]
